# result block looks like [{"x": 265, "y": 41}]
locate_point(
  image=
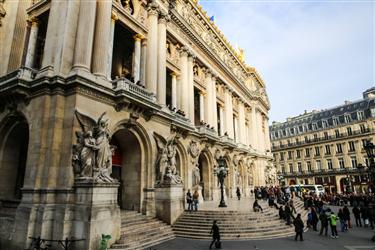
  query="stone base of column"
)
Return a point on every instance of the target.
[
  {"x": 169, "y": 201},
  {"x": 46, "y": 71},
  {"x": 149, "y": 202},
  {"x": 83, "y": 72},
  {"x": 96, "y": 213}
]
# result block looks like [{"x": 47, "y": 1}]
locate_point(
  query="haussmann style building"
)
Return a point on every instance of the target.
[
  {"x": 326, "y": 147},
  {"x": 108, "y": 106}
]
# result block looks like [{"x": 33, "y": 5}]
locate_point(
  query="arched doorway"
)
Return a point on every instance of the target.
[
  {"x": 127, "y": 168},
  {"x": 14, "y": 143},
  {"x": 292, "y": 182},
  {"x": 205, "y": 176}
]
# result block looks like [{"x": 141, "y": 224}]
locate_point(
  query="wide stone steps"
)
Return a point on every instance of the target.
[
  {"x": 236, "y": 225},
  {"x": 139, "y": 232}
]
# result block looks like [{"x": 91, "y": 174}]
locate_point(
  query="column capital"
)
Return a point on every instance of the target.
[
  {"x": 114, "y": 16},
  {"x": 174, "y": 74},
  {"x": 184, "y": 51},
  {"x": 138, "y": 37},
  {"x": 153, "y": 8},
  {"x": 33, "y": 21},
  {"x": 163, "y": 17}
]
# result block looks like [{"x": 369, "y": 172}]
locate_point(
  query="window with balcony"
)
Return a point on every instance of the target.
[
  {"x": 351, "y": 146},
  {"x": 306, "y": 139},
  {"x": 299, "y": 167},
  {"x": 329, "y": 164},
  {"x": 347, "y": 118},
  {"x": 319, "y": 165},
  {"x": 317, "y": 151},
  {"x": 291, "y": 168},
  {"x": 326, "y": 135},
  {"x": 341, "y": 163},
  {"x": 328, "y": 149},
  {"x": 337, "y": 133},
  {"x": 338, "y": 148},
  {"x": 360, "y": 115},
  {"x": 298, "y": 154},
  {"x": 289, "y": 155},
  {"x": 283, "y": 169},
  {"x": 315, "y": 137},
  {"x": 363, "y": 128},
  {"x": 353, "y": 159},
  {"x": 281, "y": 156},
  {"x": 307, "y": 152},
  {"x": 349, "y": 130},
  {"x": 309, "y": 168}
]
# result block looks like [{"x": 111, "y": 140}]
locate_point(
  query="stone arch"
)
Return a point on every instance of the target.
[
  {"x": 136, "y": 171},
  {"x": 182, "y": 161},
  {"x": 206, "y": 164},
  {"x": 14, "y": 143}
]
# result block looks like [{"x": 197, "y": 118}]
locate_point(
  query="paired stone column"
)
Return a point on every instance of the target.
[
  {"x": 213, "y": 102},
  {"x": 152, "y": 48},
  {"x": 85, "y": 36},
  {"x": 143, "y": 61},
  {"x": 241, "y": 121},
  {"x": 184, "y": 80},
  {"x": 114, "y": 18},
  {"x": 137, "y": 57},
  {"x": 208, "y": 100},
  {"x": 190, "y": 92},
  {"x": 174, "y": 90},
  {"x": 201, "y": 106},
  {"x": 229, "y": 112},
  {"x": 162, "y": 60},
  {"x": 30, "y": 55},
  {"x": 254, "y": 128},
  {"x": 102, "y": 38},
  {"x": 222, "y": 124}
]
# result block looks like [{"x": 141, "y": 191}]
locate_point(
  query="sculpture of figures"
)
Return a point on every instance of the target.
[
  {"x": 166, "y": 162},
  {"x": 196, "y": 176},
  {"x": 92, "y": 155}
]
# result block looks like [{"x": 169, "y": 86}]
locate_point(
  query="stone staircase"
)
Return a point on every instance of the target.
[
  {"x": 236, "y": 225},
  {"x": 139, "y": 231}
]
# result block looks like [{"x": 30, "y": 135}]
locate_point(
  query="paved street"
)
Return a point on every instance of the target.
[{"x": 355, "y": 239}]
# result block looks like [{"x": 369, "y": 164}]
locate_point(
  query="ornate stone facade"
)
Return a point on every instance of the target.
[{"x": 176, "y": 97}]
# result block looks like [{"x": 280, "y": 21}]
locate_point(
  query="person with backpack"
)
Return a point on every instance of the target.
[
  {"x": 298, "y": 226},
  {"x": 323, "y": 223},
  {"x": 196, "y": 200},
  {"x": 215, "y": 235}
]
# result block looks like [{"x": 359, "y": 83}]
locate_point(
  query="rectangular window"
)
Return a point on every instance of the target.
[
  {"x": 337, "y": 133},
  {"x": 341, "y": 163},
  {"x": 306, "y": 139},
  {"x": 291, "y": 168},
  {"x": 360, "y": 115},
  {"x": 300, "y": 167},
  {"x": 281, "y": 156},
  {"x": 326, "y": 135},
  {"x": 307, "y": 152},
  {"x": 329, "y": 164},
  {"x": 317, "y": 151},
  {"x": 309, "y": 166},
  {"x": 339, "y": 148},
  {"x": 354, "y": 161},
  {"x": 318, "y": 165},
  {"x": 351, "y": 146},
  {"x": 349, "y": 129},
  {"x": 328, "y": 149},
  {"x": 289, "y": 155},
  {"x": 298, "y": 153},
  {"x": 283, "y": 169},
  {"x": 347, "y": 118},
  {"x": 363, "y": 128},
  {"x": 315, "y": 137}
]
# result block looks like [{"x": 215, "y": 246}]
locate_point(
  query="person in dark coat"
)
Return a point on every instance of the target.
[
  {"x": 357, "y": 216},
  {"x": 288, "y": 214},
  {"x": 298, "y": 226},
  {"x": 314, "y": 219},
  {"x": 281, "y": 213},
  {"x": 346, "y": 213},
  {"x": 215, "y": 233},
  {"x": 323, "y": 223},
  {"x": 238, "y": 192}
]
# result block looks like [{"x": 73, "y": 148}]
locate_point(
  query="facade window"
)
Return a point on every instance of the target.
[
  {"x": 349, "y": 129},
  {"x": 283, "y": 169},
  {"x": 317, "y": 151},
  {"x": 360, "y": 115},
  {"x": 339, "y": 148},
  {"x": 328, "y": 149},
  {"x": 351, "y": 146},
  {"x": 364, "y": 142},
  {"x": 306, "y": 139},
  {"x": 299, "y": 167},
  {"x": 354, "y": 161},
  {"x": 363, "y": 128},
  {"x": 291, "y": 168},
  {"x": 309, "y": 166},
  {"x": 281, "y": 156},
  {"x": 298, "y": 153},
  {"x": 289, "y": 155},
  {"x": 329, "y": 164},
  {"x": 315, "y": 137},
  {"x": 341, "y": 163},
  {"x": 347, "y": 118},
  {"x": 297, "y": 141},
  {"x": 337, "y": 133},
  {"x": 326, "y": 135},
  {"x": 335, "y": 121},
  {"x": 324, "y": 124},
  {"x": 318, "y": 165},
  {"x": 307, "y": 152}
]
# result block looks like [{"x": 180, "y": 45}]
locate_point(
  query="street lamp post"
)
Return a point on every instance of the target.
[{"x": 221, "y": 173}]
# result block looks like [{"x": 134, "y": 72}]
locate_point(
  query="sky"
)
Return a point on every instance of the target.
[{"x": 312, "y": 54}]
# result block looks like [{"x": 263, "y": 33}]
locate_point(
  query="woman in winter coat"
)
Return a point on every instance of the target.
[{"x": 298, "y": 226}]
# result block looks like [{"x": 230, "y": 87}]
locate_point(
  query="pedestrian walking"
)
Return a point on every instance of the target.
[
  {"x": 333, "y": 223},
  {"x": 189, "y": 200},
  {"x": 288, "y": 213},
  {"x": 314, "y": 218},
  {"x": 238, "y": 192},
  {"x": 342, "y": 220},
  {"x": 346, "y": 213},
  {"x": 323, "y": 223},
  {"x": 196, "y": 200},
  {"x": 357, "y": 216},
  {"x": 298, "y": 227},
  {"x": 215, "y": 235}
]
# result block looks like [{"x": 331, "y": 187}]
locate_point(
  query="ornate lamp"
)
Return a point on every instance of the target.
[{"x": 221, "y": 171}]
